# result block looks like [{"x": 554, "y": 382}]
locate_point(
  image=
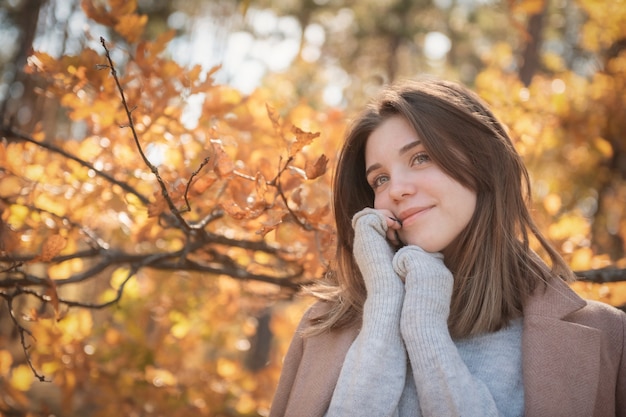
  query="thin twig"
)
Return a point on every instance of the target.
[
  {"x": 131, "y": 125},
  {"x": 22, "y": 332},
  {"x": 193, "y": 174}
]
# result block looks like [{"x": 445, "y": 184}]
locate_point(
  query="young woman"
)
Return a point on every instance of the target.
[{"x": 438, "y": 306}]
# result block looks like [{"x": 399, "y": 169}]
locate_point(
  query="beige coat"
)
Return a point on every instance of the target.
[{"x": 574, "y": 360}]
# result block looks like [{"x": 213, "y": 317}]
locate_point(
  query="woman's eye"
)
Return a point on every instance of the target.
[
  {"x": 378, "y": 181},
  {"x": 420, "y": 158}
]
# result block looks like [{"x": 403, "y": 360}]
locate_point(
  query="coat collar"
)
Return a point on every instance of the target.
[{"x": 560, "y": 358}]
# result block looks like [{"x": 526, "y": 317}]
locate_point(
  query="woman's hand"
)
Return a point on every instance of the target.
[
  {"x": 373, "y": 250},
  {"x": 393, "y": 227},
  {"x": 428, "y": 284}
]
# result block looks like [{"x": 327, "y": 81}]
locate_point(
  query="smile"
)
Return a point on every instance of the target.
[{"x": 411, "y": 215}]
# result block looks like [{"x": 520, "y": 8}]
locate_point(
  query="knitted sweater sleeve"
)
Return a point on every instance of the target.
[
  {"x": 374, "y": 371},
  {"x": 445, "y": 386}
]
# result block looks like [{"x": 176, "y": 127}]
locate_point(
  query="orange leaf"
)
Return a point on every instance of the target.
[
  {"x": 158, "y": 206},
  {"x": 302, "y": 139},
  {"x": 51, "y": 248},
  {"x": 224, "y": 165},
  {"x": 97, "y": 13},
  {"x": 234, "y": 210},
  {"x": 41, "y": 62},
  {"x": 161, "y": 42},
  {"x": 265, "y": 229},
  {"x": 261, "y": 184},
  {"x": 53, "y": 295},
  {"x": 131, "y": 26},
  {"x": 529, "y": 6},
  {"x": 122, "y": 7},
  {"x": 275, "y": 118},
  {"x": 9, "y": 239},
  {"x": 317, "y": 168},
  {"x": 194, "y": 73},
  {"x": 201, "y": 184}
]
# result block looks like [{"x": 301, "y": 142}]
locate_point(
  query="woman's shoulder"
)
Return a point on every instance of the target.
[
  {"x": 600, "y": 315},
  {"x": 316, "y": 313},
  {"x": 329, "y": 346}
]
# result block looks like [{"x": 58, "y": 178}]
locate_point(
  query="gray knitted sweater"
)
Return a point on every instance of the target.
[{"x": 404, "y": 362}]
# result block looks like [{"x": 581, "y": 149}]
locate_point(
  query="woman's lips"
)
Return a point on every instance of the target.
[{"x": 409, "y": 216}]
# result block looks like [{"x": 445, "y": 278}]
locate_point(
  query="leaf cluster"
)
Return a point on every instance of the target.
[{"x": 239, "y": 192}]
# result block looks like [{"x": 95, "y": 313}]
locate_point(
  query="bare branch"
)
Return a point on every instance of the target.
[
  {"x": 603, "y": 275},
  {"x": 131, "y": 125},
  {"x": 23, "y": 332}
]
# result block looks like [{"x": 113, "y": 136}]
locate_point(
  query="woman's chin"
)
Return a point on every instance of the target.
[{"x": 427, "y": 246}]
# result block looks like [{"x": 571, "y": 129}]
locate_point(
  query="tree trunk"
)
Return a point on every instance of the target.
[
  {"x": 530, "y": 57},
  {"x": 26, "y": 20}
]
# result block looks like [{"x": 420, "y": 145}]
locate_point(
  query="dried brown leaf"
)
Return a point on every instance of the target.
[
  {"x": 316, "y": 169},
  {"x": 51, "y": 248},
  {"x": 224, "y": 165},
  {"x": 302, "y": 139},
  {"x": 9, "y": 239}
]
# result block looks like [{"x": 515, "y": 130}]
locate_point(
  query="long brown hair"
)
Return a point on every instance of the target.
[{"x": 494, "y": 268}]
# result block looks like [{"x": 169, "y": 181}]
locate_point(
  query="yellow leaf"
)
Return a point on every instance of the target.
[
  {"x": 568, "y": 226},
  {"x": 6, "y": 360},
  {"x": 245, "y": 404},
  {"x": 227, "y": 368},
  {"x": 22, "y": 378},
  {"x": 119, "y": 276},
  {"x": 604, "y": 146},
  {"x": 89, "y": 148},
  {"x": 17, "y": 215},
  {"x": 60, "y": 271},
  {"x": 77, "y": 325},
  {"x": 581, "y": 259},
  {"x": 552, "y": 203},
  {"x": 554, "y": 62},
  {"x": 181, "y": 325},
  {"x": 160, "y": 377},
  {"x": 34, "y": 172}
]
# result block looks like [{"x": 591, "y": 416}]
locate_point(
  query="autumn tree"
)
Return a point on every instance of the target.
[
  {"x": 566, "y": 109},
  {"x": 146, "y": 206}
]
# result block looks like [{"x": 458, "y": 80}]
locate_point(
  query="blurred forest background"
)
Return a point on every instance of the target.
[{"x": 165, "y": 175}]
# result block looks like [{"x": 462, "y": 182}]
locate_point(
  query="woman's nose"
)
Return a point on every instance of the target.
[{"x": 400, "y": 188}]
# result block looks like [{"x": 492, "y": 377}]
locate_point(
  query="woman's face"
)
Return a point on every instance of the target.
[{"x": 432, "y": 207}]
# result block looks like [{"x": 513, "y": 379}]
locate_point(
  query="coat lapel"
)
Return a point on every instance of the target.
[{"x": 560, "y": 358}]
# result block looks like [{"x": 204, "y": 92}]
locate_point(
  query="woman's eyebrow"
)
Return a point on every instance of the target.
[
  {"x": 409, "y": 146},
  {"x": 401, "y": 152},
  {"x": 371, "y": 168}
]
